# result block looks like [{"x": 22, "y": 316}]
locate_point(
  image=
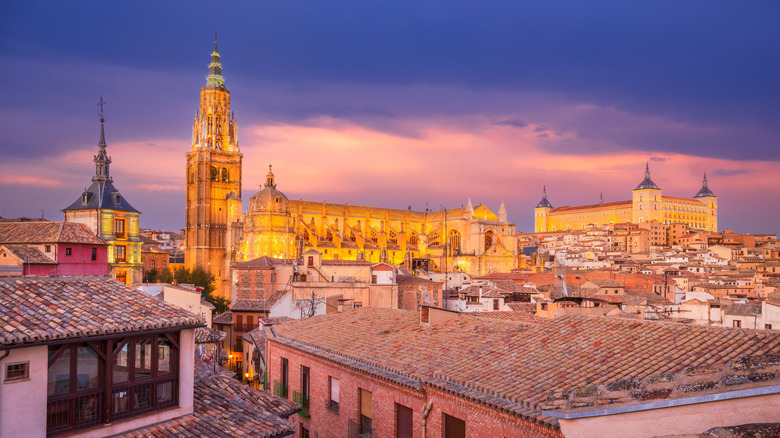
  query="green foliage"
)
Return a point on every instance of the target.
[
  {"x": 154, "y": 276},
  {"x": 199, "y": 277}
]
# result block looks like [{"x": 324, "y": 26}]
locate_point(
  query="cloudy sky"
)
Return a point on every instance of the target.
[{"x": 400, "y": 103}]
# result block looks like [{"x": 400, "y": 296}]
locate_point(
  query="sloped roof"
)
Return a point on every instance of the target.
[
  {"x": 102, "y": 195},
  {"x": 223, "y": 406},
  {"x": 48, "y": 232},
  {"x": 38, "y": 309},
  {"x": 548, "y": 364},
  {"x": 29, "y": 254}
]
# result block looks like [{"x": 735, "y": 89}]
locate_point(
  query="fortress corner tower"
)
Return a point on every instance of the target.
[{"x": 213, "y": 208}]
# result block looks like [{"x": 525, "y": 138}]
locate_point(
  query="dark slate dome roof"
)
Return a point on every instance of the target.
[{"x": 647, "y": 183}]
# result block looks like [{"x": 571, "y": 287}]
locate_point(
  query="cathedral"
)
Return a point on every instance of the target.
[
  {"x": 470, "y": 239},
  {"x": 647, "y": 204}
]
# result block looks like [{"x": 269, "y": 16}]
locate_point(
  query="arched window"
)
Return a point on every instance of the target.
[
  {"x": 219, "y": 126},
  {"x": 305, "y": 235},
  {"x": 393, "y": 238},
  {"x": 434, "y": 238},
  {"x": 488, "y": 239},
  {"x": 454, "y": 240},
  {"x": 372, "y": 236},
  {"x": 225, "y": 175},
  {"x": 214, "y": 173},
  {"x": 328, "y": 236},
  {"x": 352, "y": 237},
  {"x": 413, "y": 239}
]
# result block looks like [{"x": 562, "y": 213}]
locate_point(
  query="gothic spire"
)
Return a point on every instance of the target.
[
  {"x": 601, "y": 198},
  {"x": 215, "y": 79},
  {"x": 544, "y": 203},
  {"x": 102, "y": 160}
]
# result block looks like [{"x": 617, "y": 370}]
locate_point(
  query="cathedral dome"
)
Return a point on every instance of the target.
[{"x": 269, "y": 199}]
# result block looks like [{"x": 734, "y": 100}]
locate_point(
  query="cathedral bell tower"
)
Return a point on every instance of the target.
[{"x": 213, "y": 181}]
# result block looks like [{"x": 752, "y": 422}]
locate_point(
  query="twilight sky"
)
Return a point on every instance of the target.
[{"x": 400, "y": 103}]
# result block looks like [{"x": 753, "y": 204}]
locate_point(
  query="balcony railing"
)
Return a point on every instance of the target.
[
  {"x": 357, "y": 430},
  {"x": 304, "y": 401},
  {"x": 266, "y": 383},
  {"x": 74, "y": 411},
  {"x": 280, "y": 389}
]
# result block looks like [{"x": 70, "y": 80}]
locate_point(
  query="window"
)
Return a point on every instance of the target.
[
  {"x": 280, "y": 386},
  {"x": 119, "y": 228},
  {"x": 366, "y": 410},
  {"x": 151, "y": 264},
  {"x": 68, "y": 251},
  {"x": 454, "y": 427},
  {"x": 403, "y": 421},
  {"x": 768, "y": 326},
  {"x": 302, "y": 397},
  {"x": 48, "y": 248},
  {"x": 488, "y": 239},
  {"x": 737, "y": 323},
  {"x": 17, "y": 371},
  {"x": 94, "y": 254},
  {"x": 333, "y": 394},
  {"x": 142, "y": 371},
  {"x": 357, "y": 304},
  {"x": 121, "y": 253}
]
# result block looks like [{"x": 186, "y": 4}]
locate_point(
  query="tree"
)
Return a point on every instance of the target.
[
  {"x": 199, "y": 277},
  {"x": 153, "y": 276}
]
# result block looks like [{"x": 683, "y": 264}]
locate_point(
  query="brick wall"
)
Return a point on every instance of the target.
[{"x": 481, "y": 421}]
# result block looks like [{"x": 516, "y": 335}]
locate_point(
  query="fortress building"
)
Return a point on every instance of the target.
[
  {"x": 647, "y": 204},
  {"x": 467, "y": 239}
]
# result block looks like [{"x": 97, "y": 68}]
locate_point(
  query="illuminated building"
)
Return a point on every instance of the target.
[
  {"x": 465, "y": 239},
  {"x": 213, "y": 206},
  {"x": 647, "y": 204},
  {"x": 108, "y": 214}
]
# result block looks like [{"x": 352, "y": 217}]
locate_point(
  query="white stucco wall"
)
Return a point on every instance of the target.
[{"x": 23, "y": 403}]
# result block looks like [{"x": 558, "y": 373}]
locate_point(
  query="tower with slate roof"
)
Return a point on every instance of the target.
[
  {"x": 648, "y": 203},
  {"x": 213, "y": 204},
  {"x": 706, "y": 196},
  {"x": 107, "y": 213}
]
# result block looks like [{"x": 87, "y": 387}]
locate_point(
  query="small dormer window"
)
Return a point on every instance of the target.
[
  {"x": 84, "y": 198},
  {"x": 117, "y": 198}
]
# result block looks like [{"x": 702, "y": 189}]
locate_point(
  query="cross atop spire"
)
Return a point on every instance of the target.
[{"x": 102, "y": 160}]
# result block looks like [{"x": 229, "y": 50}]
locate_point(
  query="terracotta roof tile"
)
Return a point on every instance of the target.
[
  {"x": 29, "y": 254},
  {"x": 47, "y": 232},
  {"x": 39, "y": 309},
  {"x": 542, "y": 361}
]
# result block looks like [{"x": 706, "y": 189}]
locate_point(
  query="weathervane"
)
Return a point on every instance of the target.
[{"x": 100, "y": 103}]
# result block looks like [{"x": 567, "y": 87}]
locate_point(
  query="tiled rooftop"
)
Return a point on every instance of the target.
[
  {"x": 37, "y": 309},
  {"x": 527, "y": 368},
  {"x": 204, "y": 335},
  {"x": 224, "y": 406},
  {"x": 47, "y": 232},
  {"x": 251, "y": 305},
  {"x": 29, "y": 254},
  {"x": 223, "y": 318}
]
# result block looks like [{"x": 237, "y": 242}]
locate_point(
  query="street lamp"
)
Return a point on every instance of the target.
[
  {"x": 230, "y": 361},
  {"x": 246, "y": 376}
]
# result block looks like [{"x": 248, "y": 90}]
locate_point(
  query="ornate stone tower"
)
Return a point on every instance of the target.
[{"x": 213, "y": 209}]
